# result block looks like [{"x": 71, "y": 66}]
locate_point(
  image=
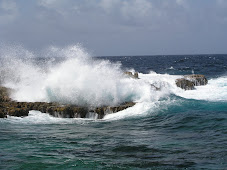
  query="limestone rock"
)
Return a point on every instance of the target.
[
  {"x": 21, "y": 109},
  {"x": 188, "y": 82},
  {"x": 4, "y": 94},
  {"x": 2, "y": 113},
  {"x": 197, "y": 79},
  {"x": 185, "y": 84},
  {"x": 102, "y": 111},
  {"x": 130, "y": 74}
]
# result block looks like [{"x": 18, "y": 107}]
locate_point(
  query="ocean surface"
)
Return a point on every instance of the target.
[{"x": 166, "y": 129}]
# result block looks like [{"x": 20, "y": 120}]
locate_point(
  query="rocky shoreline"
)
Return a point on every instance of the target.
[
  {"x": 21, "y": 109},
  {"x": 188, "y": 82},
  {"x": 8, "y": 107}
]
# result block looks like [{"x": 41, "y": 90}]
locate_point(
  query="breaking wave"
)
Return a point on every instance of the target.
[
  {"x": 78, "y": 78},
  {"x": 215, "y": 90}
]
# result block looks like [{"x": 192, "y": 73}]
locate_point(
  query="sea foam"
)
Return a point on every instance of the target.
[
  {"x": 83, "y": 80},
  {"x": 79, "y": 79}
]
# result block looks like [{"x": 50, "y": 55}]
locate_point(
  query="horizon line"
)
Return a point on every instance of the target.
[{"x": 158, "y": 55}]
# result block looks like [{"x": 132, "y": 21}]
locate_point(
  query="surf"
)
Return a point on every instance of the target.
[{"x": 71, "y": 75}]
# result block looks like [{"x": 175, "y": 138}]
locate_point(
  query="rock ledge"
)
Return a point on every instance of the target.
[
  {"x": 21, "y": 109},
  {"x": 188, "y": 82}
]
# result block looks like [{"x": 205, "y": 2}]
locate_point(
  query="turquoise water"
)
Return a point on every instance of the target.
[
  {"x": 192, "y": 135},
  {"x": 172, "y": 133}
]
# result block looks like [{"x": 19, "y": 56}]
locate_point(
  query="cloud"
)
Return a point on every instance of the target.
[
  {"x": 109, "y": 5},
  {"x": 136, "y": 8},
  {"x": 114, "y": 25},
  {"x": 8, "y": 11},
  {"x": 58, "y": 6},
  {"x": 181, "y": 2},
  {"x": 50, "y": 4},
  {"x": 132, "y": 9}
]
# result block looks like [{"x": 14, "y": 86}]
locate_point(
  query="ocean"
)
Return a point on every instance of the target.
[{"x": 167, "y": 129}]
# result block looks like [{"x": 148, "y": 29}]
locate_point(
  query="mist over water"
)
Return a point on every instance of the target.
[{"x": 78, "y": 79}]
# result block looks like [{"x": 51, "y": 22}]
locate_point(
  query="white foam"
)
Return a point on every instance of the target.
[
  {"x": 84, "y": 81},
  {"x": 215, "y": 90},
  {"x": 77, "y": 80},
  {"x": 36, "y": 117},
  {"x": 141, "y": 110},
  {"x": 165, "y": 82}
]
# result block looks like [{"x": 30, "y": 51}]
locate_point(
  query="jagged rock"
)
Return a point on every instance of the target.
[
  {"x": 2, "y": 113},
  {"x": 185, "y": 84},
  {"x": 4, "y": 94},
  {"x": 21, "y": 109},
  {"x": 18, "y": 112},
  {"x": 130, "y": 74},
  {"x": 102, "y": 111},
  {"x": 190, "y": 81},
  {"x": 136, "y": 75},
  {"x": 197, "y": 79}
]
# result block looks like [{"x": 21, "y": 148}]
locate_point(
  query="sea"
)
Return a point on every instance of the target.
[{"x": 168, "y": 128}]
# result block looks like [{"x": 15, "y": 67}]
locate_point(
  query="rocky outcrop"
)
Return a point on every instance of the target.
[
  {"x": 197, "y": 79},
  {"x": 102, "y": 111},
  {"x": 188, "y": 82},
  {"x": 4, "y": 94},
  {"x": 21, "y": 109},
  {"x": 185, "y": 84},
  {"x": 130, "y": 74}
]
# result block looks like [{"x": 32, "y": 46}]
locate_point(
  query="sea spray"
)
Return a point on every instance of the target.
[
  {"x": 78, "y": 79},
  {"x": 166, "y": 133},
  {"x": 71, "y": 76}
]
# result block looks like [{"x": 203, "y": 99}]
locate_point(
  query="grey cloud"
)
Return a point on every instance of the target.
[
  {"x": 115, "y": 27},
  {"x": 8, "y": 11}
]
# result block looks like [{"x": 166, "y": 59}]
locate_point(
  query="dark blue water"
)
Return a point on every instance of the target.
[
  {"x": 209, "y": 65},
  {"x": 186, "y": 134}
]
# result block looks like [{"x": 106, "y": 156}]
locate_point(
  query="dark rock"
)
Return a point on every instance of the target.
[
  {"x": 136, "y": 75},
  {"x": 2, "y": 113},
  {"x": 185, "y": 84},
  {"x": 197, "y": 79},
  {"x": 130, "y": 74},
  {"x": 190, "y": 81},
  {"x": 21, "y": 109},
  {"x": 4, "y": 94},
  {"x": 19, "y": 112},
  {"x": 102, "y": 111}
]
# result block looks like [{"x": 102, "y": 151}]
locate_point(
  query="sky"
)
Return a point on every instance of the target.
[{"x": 117, "y": 27}]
